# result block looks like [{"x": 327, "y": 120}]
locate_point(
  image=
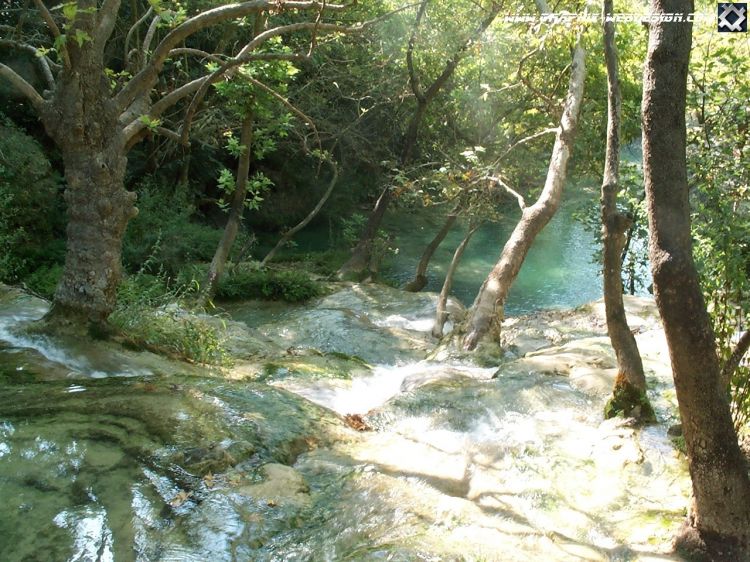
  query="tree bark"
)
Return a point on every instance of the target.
[
  {"x": 420, "y": 276},
  {"x": 219, "y": 261},
  {"x": 441, "y": 315},
  {"x": 82, "y": 121},
  {"x": 629, "y": 393},
  {"x": 486, "y": 313},
  {"x": 718, "y": 526}
]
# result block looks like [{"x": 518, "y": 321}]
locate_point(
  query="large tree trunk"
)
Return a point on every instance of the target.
[
  {"x": 719, "y": 521},
  {"x": 629, "y": 393},
  {"x": 420, "y": 276},
  {"x": 441, "y": 314},
  {"x": 82, "y": 120},
  {"x": 487, "y": 311},
  {"x": 219, "y": 261}
]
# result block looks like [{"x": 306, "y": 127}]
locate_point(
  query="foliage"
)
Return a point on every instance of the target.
[
  {"x": 31, "y": 217},
  {"x": 290, "y": 286},
  {"x": 635, "y": 270},
  {"x": 164, "y": 233},
  {"x": 718, "y": 147}
]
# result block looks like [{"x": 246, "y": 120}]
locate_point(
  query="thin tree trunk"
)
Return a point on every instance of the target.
[
  {"x": 216, "y": 269},
  {"x": 420, "y": 277},
  {"x": 718, "y": 525},
  {"x": 361, "y": 262},
  {"x": 486, "y": 313},
  {"x": 289, "y": 234},
  {"x": 629, "y": 393},
  {"x": 441, "y": 315}
]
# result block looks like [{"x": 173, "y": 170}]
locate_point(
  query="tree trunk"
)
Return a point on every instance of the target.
[
  {"x": 82, "y": 121},
  {"x": 289, "y": 234},
  {"x": 718, "y": 526},
  {"x": 420, "y": 277},
  {"x": 629, "y": 393},
  {"x": 441, "y": 315},
  {"x": 486, "y": 313},
  {"x": 216, "y": 269}
]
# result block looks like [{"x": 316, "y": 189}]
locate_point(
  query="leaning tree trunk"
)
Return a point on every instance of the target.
[
  {"x": 718, "y": 526},
  {"x": 441, "y": 314},
  {"x": 292, "y": 232},
  {"x": 487, "y": 311},
  {"x": 420, "y": 276},
  {"x": 98, "y": 205},
  {"x": 629, "y": 393},
  {"x": 219, "y": 261}
]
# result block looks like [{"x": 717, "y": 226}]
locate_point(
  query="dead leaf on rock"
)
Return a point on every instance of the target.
[{"x": 356, "y": 422}]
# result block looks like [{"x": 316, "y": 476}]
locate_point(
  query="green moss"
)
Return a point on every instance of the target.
[{"x": 629, "y": 401}]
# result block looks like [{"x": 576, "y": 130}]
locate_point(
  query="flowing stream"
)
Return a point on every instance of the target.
[{"x": 342, "y": 435}]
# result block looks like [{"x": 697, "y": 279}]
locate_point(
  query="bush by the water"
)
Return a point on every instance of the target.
[
  {"x": 32, "y": 217},
  {"x": 289, "y": 286},
  {"x": 148, "y": 317}
]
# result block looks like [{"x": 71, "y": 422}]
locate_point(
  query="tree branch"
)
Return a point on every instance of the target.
[
  {"x": 525, "y": 140},
  {"x": 41, "y": 59},
  {"x": 22, "y": 86},
  {"x": 743, "y": 344},
  {"x": 54, "y": 30},
  {"x": 196, "y": 52},
  {"x": 136, "y": 25},
  {"x": 506, "y": 187},
  {"x": 107, "y": 18},
  {"x": 149, "y": 38},
  {"x": 146, "y": 78}
]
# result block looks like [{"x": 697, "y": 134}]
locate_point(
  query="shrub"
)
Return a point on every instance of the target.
[
  {"x": 43, "y": 281},
  {"x": 148, "y": 317},
  {"x": 289, "y": 286},
  {"x": 32, "y": 221},
  {"x": 164, "y": 234}
]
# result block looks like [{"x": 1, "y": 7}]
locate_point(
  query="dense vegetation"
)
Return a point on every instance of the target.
[{"x": 341, "y": 106}]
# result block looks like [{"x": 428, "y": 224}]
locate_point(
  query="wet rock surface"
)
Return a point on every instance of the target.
[{"x": 112, "y": 454}]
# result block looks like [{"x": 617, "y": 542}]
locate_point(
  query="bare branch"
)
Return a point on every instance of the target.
[
  {"x": 149, "y": 38},
  {"x": 145, "y": 79},
  {"x": 107, "y": 18},
  {"x": 41, "y": 59},
  {"x": 54, "y": 30},
  {"x": 734, "y": 361},
  {"x": 22, "y": 86},
  {"x": 170, "y": 134},
  {"x": 524, "y": 140},
  {"x": 511, "y": 191},
  {"x": 132, "y": 29},
  {"x": 198, "y": 53}
]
